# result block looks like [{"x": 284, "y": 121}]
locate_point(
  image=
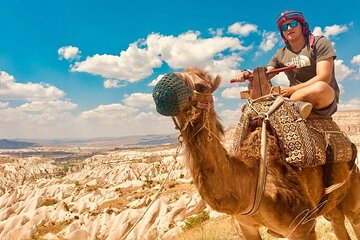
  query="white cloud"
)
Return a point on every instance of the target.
[
  {"x": 4, "y": 105},
  {"x": 216, "y": 32},
  {"x": 269, "y": 41},
  {"x": 155, "y": 81},
  {"x": 113, "y": 83},
  {"x": 335, "y": 30},
  {"x": 356, "y": 59},
  {"x": 341, "y": 70},
  {"x": 341, "y": 88},
  {"x": 232, "y": 92},
  {"x": 329, "y": 31},
  {"x": 38, "y": 119},
  {"x": 317, "y": 31},
  {"x": 69, "y": 53},
  {"x": 352, "y": 104},
  {"x": 357, "y": 75},
  {"x": 21, "y": 123},
  {"x": 139, "y": 100},
  {"x": 225, "y": 66},
  {"x": 138, "y": 61},
  {"x": 242, "y": 28},
  {"x": 55, "y": 119},
  {"x": 111, "y": 112},
  {"x": 120, "y": 120},
  {"x": 11, "y": 90},
  {"x": 230, "y": 116},
  {"x": 47, "y": 106},
  {"x": 132, "y": 65},
  {"x": 280, "y": 79},
  {"x": 188, "y": 50},
  {"x": 42, "y": 112},
  {"x": 45, "y": 115}
]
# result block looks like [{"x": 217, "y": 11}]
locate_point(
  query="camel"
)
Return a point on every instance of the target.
[{"x": 227, "y": 181}]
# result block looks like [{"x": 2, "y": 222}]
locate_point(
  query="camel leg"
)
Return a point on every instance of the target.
[
  {"x": 351, "y": 202},
  {"x": 337, "y": 219},
  {"x": 354, "y": 219},
  {"x": 247, "y": 232}
]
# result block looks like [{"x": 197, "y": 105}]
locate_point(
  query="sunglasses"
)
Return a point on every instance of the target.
[{"x": 292, "y": 24}]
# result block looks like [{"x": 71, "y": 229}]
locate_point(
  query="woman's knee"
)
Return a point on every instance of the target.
[
  {"x": 320, "y": 87},
  {"x": 320, "y": 94},
  {"x": 323, "y": 94}
]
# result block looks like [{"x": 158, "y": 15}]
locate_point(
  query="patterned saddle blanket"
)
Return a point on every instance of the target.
[{"x": 303, "y": 141}]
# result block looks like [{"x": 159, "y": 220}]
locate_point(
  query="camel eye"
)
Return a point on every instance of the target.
[{"x": 200, "y": 88}]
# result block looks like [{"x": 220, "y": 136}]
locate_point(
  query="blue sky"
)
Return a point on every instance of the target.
[{"x": 80, "y": 69}]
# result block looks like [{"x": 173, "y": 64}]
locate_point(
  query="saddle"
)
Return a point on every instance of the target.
[{"x": 304, "y": 142}]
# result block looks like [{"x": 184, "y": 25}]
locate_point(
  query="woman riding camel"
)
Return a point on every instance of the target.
[{"x": 313, "y": 81}]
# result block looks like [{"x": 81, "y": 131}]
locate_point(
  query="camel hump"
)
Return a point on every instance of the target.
[{"x": 304, "y": 142}]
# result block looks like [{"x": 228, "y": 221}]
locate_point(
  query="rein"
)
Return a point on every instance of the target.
[
  {"x": 200, "y": 100},
  {"x": 203, "y": 100}
]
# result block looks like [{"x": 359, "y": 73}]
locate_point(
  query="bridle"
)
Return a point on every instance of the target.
[{"x": 198, "y": 100}]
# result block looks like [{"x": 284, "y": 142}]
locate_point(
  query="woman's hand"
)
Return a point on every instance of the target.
[{"x": 287, "y": 91}]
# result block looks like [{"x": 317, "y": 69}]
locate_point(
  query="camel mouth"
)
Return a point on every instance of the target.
[{"x": 171, "y": 94}]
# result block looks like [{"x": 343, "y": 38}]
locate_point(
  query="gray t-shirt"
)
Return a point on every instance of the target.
[{"x": 305, "y": 61}]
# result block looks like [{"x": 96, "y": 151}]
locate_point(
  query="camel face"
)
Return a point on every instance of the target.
[
  {"x": 199, "y": 80},
  {"x": 175, "y": 90}
]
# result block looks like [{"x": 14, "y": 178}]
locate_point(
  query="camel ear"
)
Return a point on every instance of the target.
[{"x": 216, "y": 83}]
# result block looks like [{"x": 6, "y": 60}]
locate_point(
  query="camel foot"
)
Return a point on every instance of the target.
[
  {"x": 354, "y": 219},
  {"x": 247, "y": 232},
  {"x": 337, "y": 219}
]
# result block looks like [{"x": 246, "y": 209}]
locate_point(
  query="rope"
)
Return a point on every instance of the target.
[
  {"x": 261, "y": 180},
  {"x": 157, "y": 194},
  {"x": 333, "y": 187}
]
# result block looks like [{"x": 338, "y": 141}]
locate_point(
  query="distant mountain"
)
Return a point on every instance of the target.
[
  {"x": 133, "y": 141},
  {"x": 152, "y": 140},
  {"x": 10, "y": 144},
  {"x": 126, "y": 141}
]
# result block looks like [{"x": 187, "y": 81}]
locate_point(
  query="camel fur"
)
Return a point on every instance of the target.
[{"x": 227, "y": 181}]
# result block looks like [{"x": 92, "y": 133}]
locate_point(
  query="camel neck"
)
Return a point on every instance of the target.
[{"x": 224, "y": 182}]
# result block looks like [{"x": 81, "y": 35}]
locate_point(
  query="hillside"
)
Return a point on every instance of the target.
[
  {"x": 10, "y": 144},
  {"x": 349, "y": 122},
  {"x": 114, "y": 194}
]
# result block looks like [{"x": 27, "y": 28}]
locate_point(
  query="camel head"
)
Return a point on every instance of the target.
[
  {"x": 185, "y": 95},
  {"x": 176, "y": 90}
]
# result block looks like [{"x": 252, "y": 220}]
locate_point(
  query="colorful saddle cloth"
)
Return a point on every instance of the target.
[{"x": 303, "y": 141}]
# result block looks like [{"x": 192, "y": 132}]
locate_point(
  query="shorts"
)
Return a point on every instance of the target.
[{"x": 328, "y": 110}]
